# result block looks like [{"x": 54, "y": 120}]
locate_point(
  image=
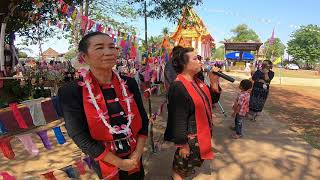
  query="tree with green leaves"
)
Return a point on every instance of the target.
[
  {"x": 117, "y": 13},
  {"x": 242, "y": 33},
  {"x": 218, "y": 53},
  {"x": 22, "y": 54},
  {"x": 304, "y": 45},
  {"x": 28, "y": 18},
  {"x": 165, "y": 31},
  {"x": 172, "y": 10},
  {"x": 71, "y": 54},
  {"x": 275, "y": 49}
]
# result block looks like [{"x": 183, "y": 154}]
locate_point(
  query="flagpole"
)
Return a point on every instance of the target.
[
  {"x": 281, "y": 66},
  {"x": 149, "y": 99},
  {"x": 281, "y": 71}
]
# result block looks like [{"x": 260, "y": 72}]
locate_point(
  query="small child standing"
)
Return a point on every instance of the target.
[{"x": 241, "y": 106}]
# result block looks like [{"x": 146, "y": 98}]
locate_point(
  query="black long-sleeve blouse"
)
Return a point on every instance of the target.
[
  {"x": 259, "y": 75},
  {"x": 181, "y": 114},
  {"x": 75, "y": 119}
]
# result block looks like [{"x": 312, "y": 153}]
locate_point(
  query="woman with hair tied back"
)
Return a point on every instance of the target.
[
  {"x": 189, "y": 114},
  {"x": 260, "y": 91},
  {"x": 104, "y": 113}
]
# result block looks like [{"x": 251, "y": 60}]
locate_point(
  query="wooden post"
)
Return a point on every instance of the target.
[
  {"x": 145, "y": 25},
  {"x": 39, "y": 42},
  {"x": 227, "y": 62},
  {"x": 149, "y": 99},
  {"x": 2, "y": 35}
]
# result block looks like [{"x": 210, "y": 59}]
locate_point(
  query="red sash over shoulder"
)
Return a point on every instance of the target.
[
  {"x": 98, "y": 130},
  {"x": 202, "y": 113}
]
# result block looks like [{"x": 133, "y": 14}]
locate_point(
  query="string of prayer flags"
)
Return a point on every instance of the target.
[
  {"x": 86, "y": 24},
  {"x": 90, "y": 24},
  {"x": 3, "y": 129},
  {"x": 17, "y": 115},
  {"x": 80, "y": 167},
  {"x": 83, "y": 23},
  {"x": 70, "y": 11},
  {"x": 6, "y": 147},
  {"x": 60, "y": 2},
  {"x": 45, "y": 139},
  {"x": 70, "y": 171},
  {"x": 133, "y": 52},
  {"x": 64, "y": 8},
  {"x": 167, "y": 55},
  {"x": 99, "y": 27},
  {"x": 78, "y": 18},
  {"x": 88, "y": 160},
  {"x": 36, "y": 112},
  {"x": 59, "y": 136},
  {"x": 49, "y": 176},
  {"x": 74, "y": 14},
  {"x": 57, "y": 106},
  {"x": 66, "y": 26},
  {"x": 28, "y": 144},
  {"x": 59, "y": 25},
  {"x": 7, "y": 176}
]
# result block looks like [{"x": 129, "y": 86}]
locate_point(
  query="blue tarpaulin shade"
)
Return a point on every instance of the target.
[{"x": 237, "y": 56}]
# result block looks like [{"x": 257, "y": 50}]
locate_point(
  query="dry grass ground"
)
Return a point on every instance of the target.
[{"x": 299, "y": 108}]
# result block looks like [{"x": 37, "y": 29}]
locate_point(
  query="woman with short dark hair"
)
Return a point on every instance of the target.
[
  {"x": 104, "y": 113},
  {"x": 189, "y": 114},
  {"x": 259, "y": 94}
]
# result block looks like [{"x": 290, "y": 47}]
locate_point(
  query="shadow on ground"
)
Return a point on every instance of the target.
[{"x": 268, "y": 151}]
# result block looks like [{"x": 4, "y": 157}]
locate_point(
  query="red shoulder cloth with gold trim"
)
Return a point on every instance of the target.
[
  {"x": 202, "y": 108},
  {"x": 98, "y": 130}
]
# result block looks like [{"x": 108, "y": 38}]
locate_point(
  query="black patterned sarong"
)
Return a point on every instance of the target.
[{"x": 258, "y": 97}]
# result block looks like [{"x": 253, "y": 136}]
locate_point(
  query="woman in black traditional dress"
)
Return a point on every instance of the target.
[
  {"x": 189, "y": 114},
  {"x": 260, "y": 90},
  {"x": 104, "y": 114}
]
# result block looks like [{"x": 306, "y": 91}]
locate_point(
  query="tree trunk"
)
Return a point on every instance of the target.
[
  {"x": 86, "y": 8},
  {"x": 40, "y": 47},
  {"x": 2, "y": 36},
  {"x": 145, "y": 25}
]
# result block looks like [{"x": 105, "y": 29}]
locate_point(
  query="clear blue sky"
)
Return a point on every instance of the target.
[{"x": 221, "y": 16}]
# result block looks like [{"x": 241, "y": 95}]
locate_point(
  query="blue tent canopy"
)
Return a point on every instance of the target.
[{"x": 236, "y": 56}]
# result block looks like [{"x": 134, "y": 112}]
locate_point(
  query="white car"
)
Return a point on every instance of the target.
[{"x": 292, "y": 67}]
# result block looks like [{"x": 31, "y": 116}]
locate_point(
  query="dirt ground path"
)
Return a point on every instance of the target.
[
  {"x": 268, "y": 150},
  {"x": 284, "y": 80}
]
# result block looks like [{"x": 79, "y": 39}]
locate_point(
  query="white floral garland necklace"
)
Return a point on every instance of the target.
[{"x": 124, "y": 129}]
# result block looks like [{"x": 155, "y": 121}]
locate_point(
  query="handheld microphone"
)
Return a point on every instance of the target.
[{"x": 208, "y": 68}]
